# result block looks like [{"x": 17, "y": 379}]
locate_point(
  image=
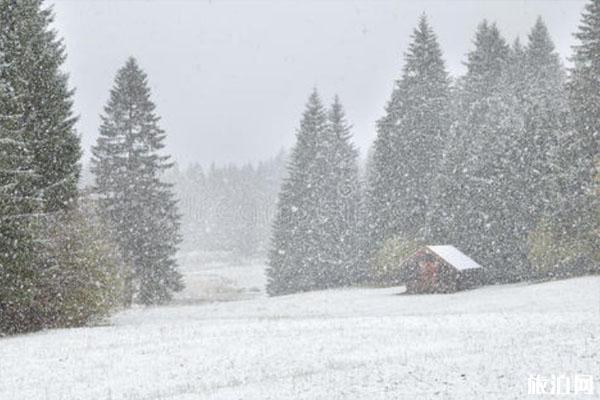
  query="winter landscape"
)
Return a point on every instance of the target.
[
  {"x": 339, "y": 344},
  {"x": 299, "y": 200}
]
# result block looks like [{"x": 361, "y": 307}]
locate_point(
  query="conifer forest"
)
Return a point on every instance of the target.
[{"x": 299, "y": 200}]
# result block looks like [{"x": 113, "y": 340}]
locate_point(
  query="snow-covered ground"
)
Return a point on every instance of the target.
[
  {"x": 219, "y": 281},
  {"x": 343, "y": 344}
]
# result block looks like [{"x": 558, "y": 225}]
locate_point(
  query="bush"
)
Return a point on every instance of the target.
[
  {"x": 84, "y": 276},
  {"x": 69, "y": 275},
  {"x": 558, "y": 250},
  {"x": 387, "y": 268}
]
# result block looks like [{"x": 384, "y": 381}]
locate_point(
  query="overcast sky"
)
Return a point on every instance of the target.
[{"x": 230, "y": 78}]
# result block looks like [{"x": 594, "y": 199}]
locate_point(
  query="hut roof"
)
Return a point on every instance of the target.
[{"x": 454, "y": 257}]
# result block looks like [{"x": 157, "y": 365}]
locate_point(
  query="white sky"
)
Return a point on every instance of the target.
[{"x": 230, "y": 78}]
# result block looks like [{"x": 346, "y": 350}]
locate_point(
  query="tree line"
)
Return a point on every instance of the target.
[
  {"x": 501, "y": 162},
  {"x": 69, "y": 256},
  {"x": 227, "y": 211}
]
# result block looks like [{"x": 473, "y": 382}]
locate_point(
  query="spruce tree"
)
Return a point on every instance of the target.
[
  {"x": 339, "y": 205},
  {"x": 19, "y": 203},
  {"x": 585, "y": 78},
  {"x": 33, "y": 57},
  {"x": 401, "y": 190},
  {"x": 128, "y": 165},
  {"x": 481, "y": 197},
  {"x": 545, "y": 107},
  {"x": 293, "y": 264},
  {"x": 584, "y": 100},
  {"x": 512, "y": 112},
  {"x": 577, "y": 209}
]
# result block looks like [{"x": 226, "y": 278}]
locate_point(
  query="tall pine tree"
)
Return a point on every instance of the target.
[
  {"x": 409, "y": 145},
  {"x": 293, "y": 264},
  {"x": 128, "y": 167},
  {"x": 545, "y": 108},
  {"x": 339, "y": 205},
  {"x": 19, "y": 203},
  {"x": 584, "y": 99},
  {"x": 33, "y": 57},
  {"x": 481, "y": 198},
  {"x": 577, "y": 162},
  {"x": 584, "y": 81}
]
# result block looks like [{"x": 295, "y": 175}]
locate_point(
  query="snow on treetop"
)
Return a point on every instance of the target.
[{"x": 454, "y": 257}]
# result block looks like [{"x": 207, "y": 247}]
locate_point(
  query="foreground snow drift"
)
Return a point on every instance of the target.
[{"x": 346, "y": 344}]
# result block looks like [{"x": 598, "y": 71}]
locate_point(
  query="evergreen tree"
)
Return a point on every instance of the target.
[
  {"x": 576, "y": 208},
  {"x": 481, "y": 197},
  {"x": 585, "y": 78},
  {"x": 128, "y": 167},
  {"x": 409, "y": 145},
  {"x": 33, "y": 60},
  {"x": 581, "y": 148},
  {"x": 293, "y": 264},
  {"x": 19, "y": 203},
  {"x": 339, "y": 205},
  {"x": 545, "y": 108},
  {"x": 567, "y": 242}
]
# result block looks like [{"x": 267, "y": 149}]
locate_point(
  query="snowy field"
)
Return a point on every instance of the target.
[
  {"x": 208, "y": 279},
  {"x": 344, "y": 344}
]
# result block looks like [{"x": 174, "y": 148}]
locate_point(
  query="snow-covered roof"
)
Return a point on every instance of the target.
[{"x": 454, "y": 257}]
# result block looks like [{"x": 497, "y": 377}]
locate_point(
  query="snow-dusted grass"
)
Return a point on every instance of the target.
[
  {"x": 222, "y": 283},
  {"x": 343, "y": 344}
]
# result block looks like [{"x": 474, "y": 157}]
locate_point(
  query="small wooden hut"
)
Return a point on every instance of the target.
[{"x": 441, "y": 269}]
